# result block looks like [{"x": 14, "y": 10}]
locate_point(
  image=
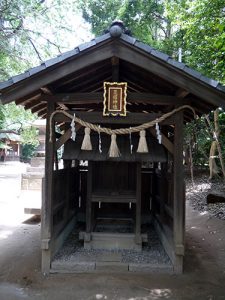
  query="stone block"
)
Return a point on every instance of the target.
[
  {"x": 151, "y": 268},
  {"x": 111, "y": 267},
  {"x": 31, "y": 181},
  {"x": 72, "y": 266},
  {"x": 37, "y": 162},
  {"x": 112, "y": 241}
]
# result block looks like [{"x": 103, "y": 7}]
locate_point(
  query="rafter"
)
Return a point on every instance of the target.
[{"x": 181, "y": 93}]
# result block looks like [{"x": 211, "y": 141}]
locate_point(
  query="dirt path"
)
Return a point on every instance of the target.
[{"x": 20, "y": 276}]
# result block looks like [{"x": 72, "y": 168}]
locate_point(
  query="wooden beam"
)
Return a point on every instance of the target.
[
  {"x": 87, "y": 83},
  {"x": 39, "y": 107},
  {"x": 155, "y": 99},
  {"x": 179, "y": 199},
  {"x": 81, "y": 75},
  {"x": 165, "y": 141},
  {"x": 32, "y": 104},
  {"x": 46, "y": 90},
  {"x": 65, "y": 137},
  {"x": 31, "y": 97},
  {"x": 86, "y": 98},
  {"x": 98, "y": 118},
  {"x": 181, "y": 93},
  {"x": 42, "y": 113}
]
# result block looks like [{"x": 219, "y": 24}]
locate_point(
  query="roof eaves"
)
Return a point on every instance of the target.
[
  {"x": 52, "y": 61},
  {"x": 179, "y": 65},
  {"x": 87, "y": 45},
  {"x": 67, "y": 54},
  {"x": 102, "y": 38},
  {"x": 37, "y": 69},
  {"x": 127, "y": 38},
  {"x": 160, "y": 55},
  {"x": 143, "y": 46},
  {"x": 209, "y": 81},
  {"x": 20, "y": 77},
  {"x": 176, "y": 64},
  {"x": 192, "y": 72},
  {"x": 221, "y": 88},
  {"x": 6, "y": 84}
]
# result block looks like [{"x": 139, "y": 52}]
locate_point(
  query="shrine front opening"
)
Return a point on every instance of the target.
[{"x": 120, "y": 204}]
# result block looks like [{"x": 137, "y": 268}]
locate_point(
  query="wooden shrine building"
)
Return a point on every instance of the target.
[{"x": 93, "y": 185}]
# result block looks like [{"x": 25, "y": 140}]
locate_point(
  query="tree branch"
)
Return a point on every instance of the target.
[{"x": 35, "y": 49}]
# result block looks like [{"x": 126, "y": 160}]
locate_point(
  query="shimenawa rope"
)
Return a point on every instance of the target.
[{"x": 119, "y": 131}]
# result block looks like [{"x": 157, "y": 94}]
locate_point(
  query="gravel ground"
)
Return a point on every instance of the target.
[
  {"x": 198, "y": 192},
  {"x": 152, "y": 252}
]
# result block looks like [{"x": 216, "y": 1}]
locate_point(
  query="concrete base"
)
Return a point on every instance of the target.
[
  {"x": 31, "y": 181},
  {"x": 108, "y": 267},
  {"x": 32, "y": 211},
  {"x": 31, "y": 201},
  {"x": 111, "y": 241}
]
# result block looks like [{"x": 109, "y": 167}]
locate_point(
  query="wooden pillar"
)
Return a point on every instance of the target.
[
  {"x": 87, "y": 237},
  {"x": 46, "y": 214},
  {"x": 178, "y": 221},
  {"x": 138, "y": 239}
]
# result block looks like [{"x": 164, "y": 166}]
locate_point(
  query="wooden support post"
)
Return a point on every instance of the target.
[
  {"x": 179, "y": 205},
  {"x": 87, "y": 237},
  {"x": 115, "y": 68},
  {"x": 162, "y": 194},
  {"x": 56, "y": 161},
  {"x": 46, "y": 214},
  {"x": 138, "y": 239}
]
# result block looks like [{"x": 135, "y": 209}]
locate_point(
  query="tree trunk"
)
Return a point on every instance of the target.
[
  {"x": 215, "y": 131},
  {"x": 191, "y": 163},
  {"x": 213, "y": 169}
]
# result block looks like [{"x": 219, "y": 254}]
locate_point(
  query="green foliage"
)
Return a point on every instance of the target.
[
  {"x": 31, "y": 31},
  {"x": 198, "y": 135},
  {"x": 201, "y": 33},
  {"x": 143, "y": 18},
  {"x": 196, "y": 26},
  {"x": 29, "y": 136},
  {"x": 2, "y": 117},
  {"x": 28, "y": 151},
  {"x": 17, "y": 118}
]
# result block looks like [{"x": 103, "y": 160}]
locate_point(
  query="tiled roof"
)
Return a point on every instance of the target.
[{"x": 126, "y": 39}]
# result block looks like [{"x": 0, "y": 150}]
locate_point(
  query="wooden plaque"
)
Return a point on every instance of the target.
[{"x": 115, "y": 94}]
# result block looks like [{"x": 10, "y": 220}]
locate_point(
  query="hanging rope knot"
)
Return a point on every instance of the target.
[
  {"x": 142, "y": 145},
  {"x": 73, "y": 128},
  {"x": 114, "y": 150},
  {"x": 86, "y": 145},
  {"x": 142, "y": 133},
  {"x": 99, "y": 141}
]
